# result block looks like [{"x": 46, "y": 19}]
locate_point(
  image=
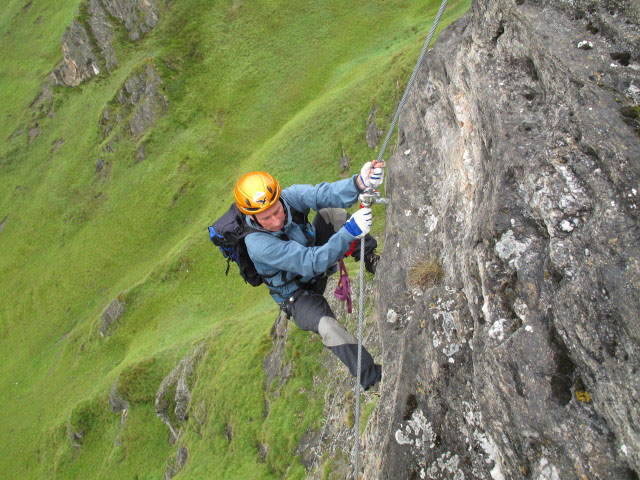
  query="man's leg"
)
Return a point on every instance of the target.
[{"x": 311, "y": 312}]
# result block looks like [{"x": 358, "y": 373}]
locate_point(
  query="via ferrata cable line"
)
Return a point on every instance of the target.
[{"x": 367, "y": 199}]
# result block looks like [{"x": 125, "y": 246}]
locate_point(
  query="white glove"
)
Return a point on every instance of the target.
[
  {"x": 360, "y": 223},
  {"x": 372, "y": 177}
]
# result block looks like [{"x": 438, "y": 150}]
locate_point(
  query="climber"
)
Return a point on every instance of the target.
[{"x": 294, "y": 257}]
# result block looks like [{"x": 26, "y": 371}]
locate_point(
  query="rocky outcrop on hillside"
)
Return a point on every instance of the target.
[
  {"x": 138, "y": 16},
  {"x": 79, "y": 61},
  {"x": 111, "y": 315},
  {"x": 88, "y": 51},
  {"x": 509, "y": 305},
  {"x": 172, "y": 404},
  {"x": 87, "y": 45},
  {"x": 136, "y": 105},
  {"x": 118, "y": 404}
]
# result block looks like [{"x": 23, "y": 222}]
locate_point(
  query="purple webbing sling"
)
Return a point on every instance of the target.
[{"x": 343, "y": 290}]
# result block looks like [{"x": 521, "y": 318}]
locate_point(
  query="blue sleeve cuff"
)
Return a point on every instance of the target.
[
  {"x": 355, "y": 183},
  {"x": 352, "y": 227}
]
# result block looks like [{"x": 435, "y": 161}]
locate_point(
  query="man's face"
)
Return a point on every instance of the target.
[{"x": 272, "y": 218}]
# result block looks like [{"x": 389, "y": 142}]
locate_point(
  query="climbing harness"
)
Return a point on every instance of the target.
[{"x": 368, "y": 198}]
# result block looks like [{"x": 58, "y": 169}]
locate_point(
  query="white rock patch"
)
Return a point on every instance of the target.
[
  {"x": 510, "y": 249},
  {"x": 497, "y": 329}
]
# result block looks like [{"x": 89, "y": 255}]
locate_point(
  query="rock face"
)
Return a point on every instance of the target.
[{"x": 518, "y": 172}]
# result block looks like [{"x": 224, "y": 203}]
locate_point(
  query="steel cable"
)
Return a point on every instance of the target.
[{"x": 356, "y": 427}]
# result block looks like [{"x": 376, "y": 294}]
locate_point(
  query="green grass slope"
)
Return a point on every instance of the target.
[{"x": 275, "y": 85}]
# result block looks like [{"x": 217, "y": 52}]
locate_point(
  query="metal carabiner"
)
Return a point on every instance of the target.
[{"x": 371, "y": 196}]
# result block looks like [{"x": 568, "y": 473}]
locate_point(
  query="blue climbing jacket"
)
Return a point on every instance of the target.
[{"x": 289, "y": 253}]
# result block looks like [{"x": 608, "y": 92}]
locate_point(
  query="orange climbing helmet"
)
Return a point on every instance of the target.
[{"x": 255, "y": 192}]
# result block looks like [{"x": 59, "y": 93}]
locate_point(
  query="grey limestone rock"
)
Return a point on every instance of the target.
[
  {"x": 522, "y": 179},
  {"x": 141, "y": 152},
  {"x": 138, "y": 16},
  {"x": 57, "y": 144},
  {"x": 372, "y": 135},
  {"x": 272, "y": 364},
  {"x": 79, "y": 61},
  {"x": 118, "y": 404},
  {"x": 137, "y": 104},
  {"x": 43, "y": 104},
  {"x": 345, "y": 162},
  {"x": 102, "y": 30},
  {"x": 111, "y": 315},
  {"x": 175, "y": 389},
  {"x": 174, "y": 467},
  {"x": 177, "y": 381},
  {"x": 34, "y": 131},
  {"x": 87, "y": 45},
  {"x": 99, "y": 165}
]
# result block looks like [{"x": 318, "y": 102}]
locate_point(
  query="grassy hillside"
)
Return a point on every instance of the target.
[{"x": 280, "y": 86}]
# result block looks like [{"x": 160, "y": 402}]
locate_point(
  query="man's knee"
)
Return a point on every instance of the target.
[
  {"x": 333, "y": 333},
  {"x": 336, "y": 217},
  {"x": 308, "y": 310}
]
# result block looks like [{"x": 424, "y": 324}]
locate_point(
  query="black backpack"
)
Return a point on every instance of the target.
[{"x": 228, "y": 233}]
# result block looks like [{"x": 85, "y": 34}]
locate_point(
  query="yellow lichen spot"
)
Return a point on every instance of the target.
[
  {"x": 583, "y": 396},
  {"x": 432, "y": 305},
  {"x": 423, "y": 323}
]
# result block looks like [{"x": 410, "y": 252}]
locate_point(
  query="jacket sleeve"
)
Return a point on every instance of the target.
[
  {"x": 340, "y": 194},
  {"x": 290, "y": 256}
]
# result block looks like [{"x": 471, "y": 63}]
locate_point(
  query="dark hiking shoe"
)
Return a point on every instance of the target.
[
  {"x": 374, "y": 390},
  {"x": 371, "y": 261}
]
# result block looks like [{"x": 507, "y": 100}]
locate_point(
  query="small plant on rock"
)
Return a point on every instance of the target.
[{"x": 426, "y": 273}]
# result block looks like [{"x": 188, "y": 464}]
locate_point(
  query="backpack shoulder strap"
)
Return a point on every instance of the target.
[{"x": 299, "y": 217}]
